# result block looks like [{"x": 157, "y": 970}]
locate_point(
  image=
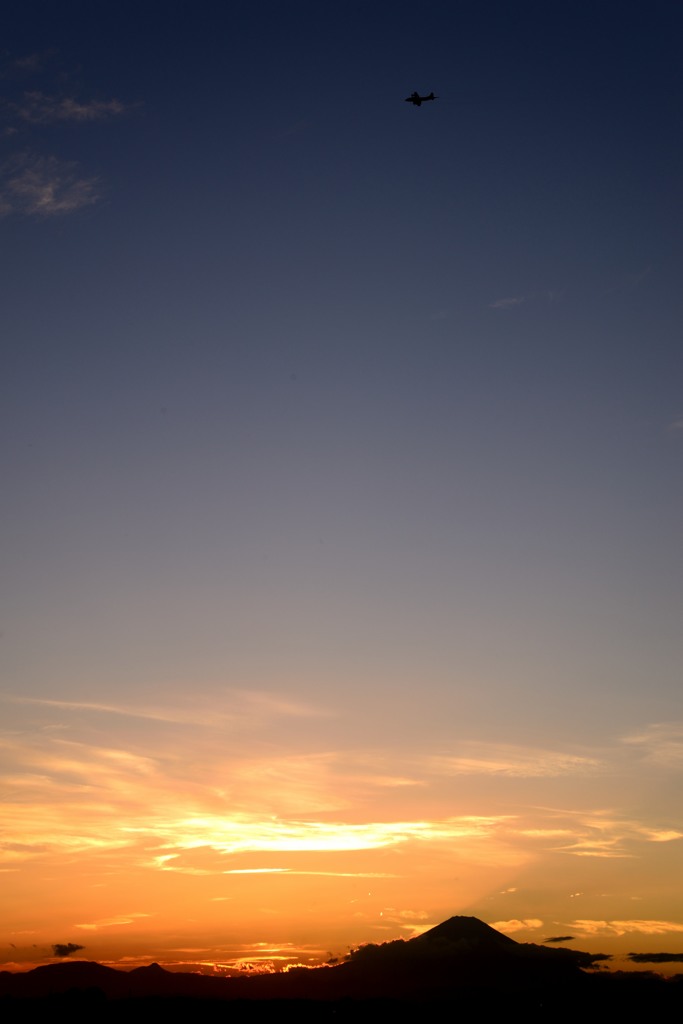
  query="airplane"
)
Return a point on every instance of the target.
[{"x": 416, "y": 99}]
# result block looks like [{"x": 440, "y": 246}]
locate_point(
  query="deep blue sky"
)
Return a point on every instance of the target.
[{"x": 312, "y": 393}]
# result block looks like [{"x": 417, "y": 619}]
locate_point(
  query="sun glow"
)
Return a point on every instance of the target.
[
  {"x": 151, "y": 841},
  {"x": 243, "y": 833}
]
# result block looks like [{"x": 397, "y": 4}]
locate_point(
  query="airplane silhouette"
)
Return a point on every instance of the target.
[{"x": 416, "y": 99}]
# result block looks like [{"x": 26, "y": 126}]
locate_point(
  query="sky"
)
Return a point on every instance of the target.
[{"x": 341, "y": 454}]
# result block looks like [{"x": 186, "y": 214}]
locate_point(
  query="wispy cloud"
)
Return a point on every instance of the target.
[
  {"x": 274, "y": 704},
  {"x": 156, "y": 714},
  {"x": 243, "y": 704},
  {"x": 515, "y": 925},
  {"x": 676, "y": 424},
  {"x": 608, "y": 847},
  {"x": 320, "y": 874},
  {"x": 176, "y": 803},
  {"x": 401, "y": 916},
  {"x": 599, "y": 834},
  {"x": 660, "y": 835},
  {"x": 44, "y": 187},
  {"x": 31, "y": 63},
  {"x": 660, "y": 744},
  {"x": 23, "y": 67},
  {"x": 390, "y": 781},
  {"x": 66, "y": 797},
  {"x": 605, "y": 836},
  {"x": 39, "y": 108},
  {"x": 292, "y": 783},
  {"x": 590, "y": 927},
  {"x": 508, "y": 760},
  {"x": 111, "y": 922},
  {"x": 251, "y": 834}
]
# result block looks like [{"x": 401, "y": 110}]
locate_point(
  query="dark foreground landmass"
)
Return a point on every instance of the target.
[{"x": 460, "y": 967}]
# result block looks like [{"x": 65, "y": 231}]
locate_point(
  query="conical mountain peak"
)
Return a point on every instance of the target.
[{"x": 465, "y": 933}]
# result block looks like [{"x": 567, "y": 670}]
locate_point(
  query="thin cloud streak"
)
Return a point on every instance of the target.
[
  {"x": 320, "y": 874},
  {"x": 112, "y": 922},
  {"x": 253, "y": 704},
  {"x": 38, "y": 108},
  {"x": 598, "y": 834},
  {"x": 515, "y": 925},
  {"x": 655, "y": 958},
  {"x": 30, "y": 64},
  {"x": 273, "y": 704},
  {"x": 44, "y": 187},
  {"x": 660, "y": 744},
  {"x": 172, "y": 716},
  {"x": 591, "y": 927},
  {"x": 515, "y": 762},
  {"x": 250, "y": 834}
]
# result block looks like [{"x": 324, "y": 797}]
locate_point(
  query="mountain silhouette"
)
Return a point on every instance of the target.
[
  {"x": 465, "y": 933},
  {"x": 461, "y": 961}
]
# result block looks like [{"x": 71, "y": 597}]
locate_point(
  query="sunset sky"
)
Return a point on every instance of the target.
[{"x": 341, "y": 462}]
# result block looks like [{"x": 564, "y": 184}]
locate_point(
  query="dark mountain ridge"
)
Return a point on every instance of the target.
[{"x": 461, "y": 959}]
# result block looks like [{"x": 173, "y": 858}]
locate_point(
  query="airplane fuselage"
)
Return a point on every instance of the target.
[{"x": 418, "y": 100}]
